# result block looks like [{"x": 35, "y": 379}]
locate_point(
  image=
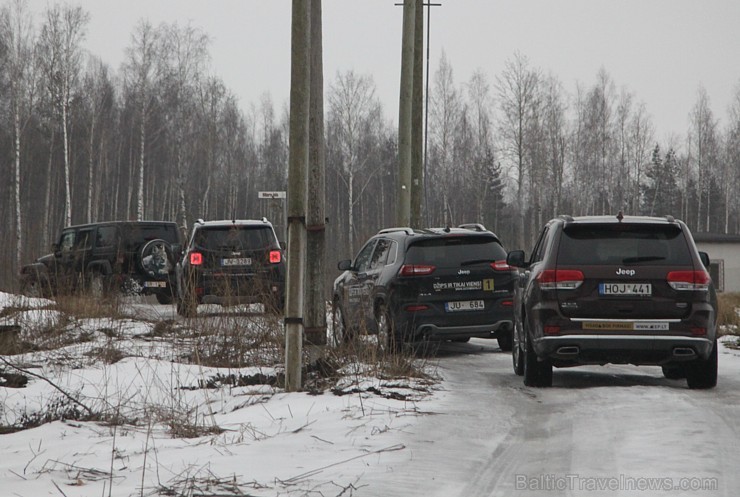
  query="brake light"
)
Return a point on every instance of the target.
[
  {"x": 196, "y": 258},
  {"x": 501, "y": 266},
  {"x": 416, "y": 270},
  {"x": 551, "y": 329},
  {"x": 507, "y": 303},
  {"x": 689, "y": 280},
  {"x": 275, "y": 256},
  {"x": 560, "y": 279},
  {"x": 417, "y": 308}
]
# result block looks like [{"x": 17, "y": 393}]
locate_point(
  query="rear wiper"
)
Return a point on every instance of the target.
[
  {"x": 645, "y": 258},
  {"x": 475, "y": 261}
]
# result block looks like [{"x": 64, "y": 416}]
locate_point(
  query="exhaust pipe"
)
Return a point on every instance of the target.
[
  {"x": 568, "y": 350},
  {"x": 683, "y": 352}
]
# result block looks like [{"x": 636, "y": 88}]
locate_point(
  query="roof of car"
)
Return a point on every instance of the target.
[
  {"x": 422, "y": 233},
  {"x": 619, "y": 219},
  {"x": 232, "y": 222},
  {"x": 108, "y": 223}
]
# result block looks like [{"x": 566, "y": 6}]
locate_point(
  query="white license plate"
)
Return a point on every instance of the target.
[
  {"x": 465, "y": 305},
  {"x": 237, "y": 261},
  {"x": 155, "y": 284},
  {"x": 626, "y": 325},
  {"x": 638, "y": 289}
]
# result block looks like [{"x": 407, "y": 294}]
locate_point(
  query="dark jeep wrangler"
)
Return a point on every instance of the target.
[{"x": 131, "y": 257}]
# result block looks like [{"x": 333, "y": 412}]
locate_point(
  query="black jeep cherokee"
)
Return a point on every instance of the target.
[
  {"x": 133, "y": 257},
  {"x": 231, "y": 262},
  {"x": 615, "y": 289},
  {"x": 440, "y": 283}
]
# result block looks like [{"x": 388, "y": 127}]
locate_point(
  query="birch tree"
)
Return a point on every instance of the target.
[
  {"x": 61, "y": 37},
  {"x": 16, "y": 35},
  {"x": 518, "y": 94},
  {"x": 355, "y": 116}
]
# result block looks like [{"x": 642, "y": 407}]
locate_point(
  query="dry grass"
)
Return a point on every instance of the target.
[{"x": 728, "y": 318}]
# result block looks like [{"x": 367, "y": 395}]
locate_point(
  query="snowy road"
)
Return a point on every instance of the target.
[{"x": 610, "y": 431}]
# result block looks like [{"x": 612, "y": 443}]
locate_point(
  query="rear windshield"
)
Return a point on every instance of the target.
[
  {"x": 140, "y": 233},
  {"x": 235, "y": 238},
  {"x": 623, "y": 244},
  {"x": 455, "y": 251}
]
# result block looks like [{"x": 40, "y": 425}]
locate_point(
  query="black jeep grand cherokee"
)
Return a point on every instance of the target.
[
  {"x": 439, "y": 283},
  {"x": 615, "y": 289}
]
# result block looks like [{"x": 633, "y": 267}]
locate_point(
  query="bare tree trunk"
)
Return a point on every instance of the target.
[
  {"x": 142, "y": 140},
  {"x": 47, "y": 198},
  {"x": 67, "y": 190},
  {"x": 17, "y": 185}
]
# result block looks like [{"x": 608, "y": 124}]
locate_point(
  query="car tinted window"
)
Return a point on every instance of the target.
[
  {"x": 67, "y": 241},
  {"x": 380, "y": 255},
  {"x": 106, "y": 236},
  {"x": 235, "y": 238},
  {"x": 139, "y": 233},
  {"x": 455, "y": 251},
  {"x": 362, "y": 261},
  {"x": 623, "y": 244}
]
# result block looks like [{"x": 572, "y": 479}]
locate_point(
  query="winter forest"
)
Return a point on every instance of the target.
[{"x": 162, "y": 137}]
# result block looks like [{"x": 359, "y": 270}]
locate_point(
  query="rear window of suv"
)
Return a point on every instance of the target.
[
  {"x": 455, "y": 251},
  {"x": 623, "y": 244},
  {"x": 235, "y": 238}
]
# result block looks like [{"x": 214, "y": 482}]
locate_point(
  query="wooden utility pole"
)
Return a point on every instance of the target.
[
  {"x": 315, "y": 309},
  {"x": 403, "y": 214},
  {"x": 297, "y": 179},
  {"x": 417, "y": 120}
]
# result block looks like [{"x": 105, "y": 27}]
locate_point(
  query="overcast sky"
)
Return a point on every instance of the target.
[{"x": 661, "y": 50}]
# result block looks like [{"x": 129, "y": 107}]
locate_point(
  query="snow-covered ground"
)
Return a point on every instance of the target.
[
  {"x": 251, "y": 440},
  {"x": 473, "y": 431}
]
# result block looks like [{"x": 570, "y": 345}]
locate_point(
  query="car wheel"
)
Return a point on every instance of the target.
[
  {"x": 505, "y": 340},
  {"x": 388, "y": 342},
  {"x": 517, "y": 358},
  {"x": 164, "y": 298},
  {"x": 97, "y": 285},
  {"x": 536, "y": 373},
  {"x": 340, "y": 334},
  {"x": 674, "y": 372},
  {"x": 702, "y": 374},
  {"x": 35, "y": 287}
]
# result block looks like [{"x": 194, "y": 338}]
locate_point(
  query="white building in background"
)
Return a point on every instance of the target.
[{"x": 724, "y": 255}]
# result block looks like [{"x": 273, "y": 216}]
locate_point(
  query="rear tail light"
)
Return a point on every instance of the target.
[
  {"x": 698, "y": 331},
  {"x": 507, "y": 303},
  {"x": 417, "y": 308},
  {"x": 689, "y": 280},
  {"x": 196, "y": 258},
  {"x": 416, "y": 270},
  {"x": 275, "y": 256},
  {"x": 560, "y": 279},
  {"x": 551, "y": 329},
  {"x": 501, "y": 266}
]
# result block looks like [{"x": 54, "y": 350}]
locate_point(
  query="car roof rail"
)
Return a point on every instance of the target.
[
  {"x": 473, "y": 226},
  {"x": 566, "y": 217},
  {"x": 406, "y": 230}
]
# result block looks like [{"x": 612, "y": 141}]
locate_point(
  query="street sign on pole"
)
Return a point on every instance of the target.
[{"x": 271, "y": 194}]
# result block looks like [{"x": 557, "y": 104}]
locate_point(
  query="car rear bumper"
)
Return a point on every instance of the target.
[
  {"x": 433, "y": 331},
  {"x": 622, "y": 349}
]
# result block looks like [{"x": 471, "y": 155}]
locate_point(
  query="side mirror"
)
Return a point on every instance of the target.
[
  {"x": 704, "y": 259},
  {"x": 516, "y": 258},
  {"x": 344, "y": 265},
  {"x": 55, "y": 248},
  {"x": 283, "y": 245}
]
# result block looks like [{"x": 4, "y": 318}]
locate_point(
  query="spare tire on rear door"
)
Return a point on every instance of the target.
[{"x": 156, "y": 258}]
